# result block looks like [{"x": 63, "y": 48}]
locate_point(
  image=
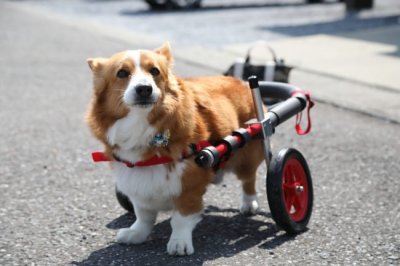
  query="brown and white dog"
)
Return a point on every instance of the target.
[{"x": 137, "y": 97}]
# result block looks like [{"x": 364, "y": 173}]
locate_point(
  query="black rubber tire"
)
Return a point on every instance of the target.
[
  {"x": 173, "y": 4},
  {"x": 124, "y": 201},
  {"x": 188, "y": 5},
  {"x": 276, "y": 200},
  {"x": 155, "y": 5},
  {"x": 314, "y": 1}
]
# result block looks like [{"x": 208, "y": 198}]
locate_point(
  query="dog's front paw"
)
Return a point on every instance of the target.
[
  {"x": 131, "y": 236},
  {"x": 180, "y": 247},
  {"x": 249, "y": 205}
]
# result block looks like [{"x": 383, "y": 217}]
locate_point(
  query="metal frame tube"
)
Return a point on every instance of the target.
[{"x": 258, "y": 105}]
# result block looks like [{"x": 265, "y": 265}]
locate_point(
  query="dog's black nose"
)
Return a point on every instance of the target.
[{"x": 144, "y": 90}]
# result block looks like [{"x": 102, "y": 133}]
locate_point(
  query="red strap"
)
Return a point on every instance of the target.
[
  {"x": 155, "y": 160},
  {"x": 99, "y": 156},
  {"x": 310, "y": 104}
]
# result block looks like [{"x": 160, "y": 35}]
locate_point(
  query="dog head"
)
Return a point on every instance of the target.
[{"x": 136, "y": 79}]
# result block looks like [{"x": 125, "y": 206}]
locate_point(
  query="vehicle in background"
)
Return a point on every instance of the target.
[
  {"x": 173, "y": 4},
  {"x": 191, "y": 4}
]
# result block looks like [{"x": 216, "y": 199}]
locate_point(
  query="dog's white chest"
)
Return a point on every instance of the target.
[
  {"x": 132, "y": 134},
  {"x": 150, "y": 187}
]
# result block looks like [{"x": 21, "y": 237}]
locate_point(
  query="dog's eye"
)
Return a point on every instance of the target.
[
  {"x": 122, "y": 73},
  {"x": 154, "y": 71}
]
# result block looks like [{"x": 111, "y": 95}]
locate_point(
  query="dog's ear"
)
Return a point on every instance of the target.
[
  {"x": 96, "y": 64},
  {"x": 165, "y": 50}
]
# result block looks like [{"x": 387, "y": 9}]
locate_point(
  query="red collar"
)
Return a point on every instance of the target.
[{"x": 155, "y": 160}]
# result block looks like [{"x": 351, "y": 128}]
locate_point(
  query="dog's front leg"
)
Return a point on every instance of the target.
[
  {"x": 188, "y": 209},
  {"x": 140, "y": 229},
  {"x": 180, "y": 242}
]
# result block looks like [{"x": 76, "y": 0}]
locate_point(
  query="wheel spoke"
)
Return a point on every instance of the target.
[
  {"x": 293, "y": 184},
  {"x": 289, "y": 188},
  {"x": 289, "y": 199},
  {"x": 298, "y": 203},
  {"x": 289, "y": 175}
]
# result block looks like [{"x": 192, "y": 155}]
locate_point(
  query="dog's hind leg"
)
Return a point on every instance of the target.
[
  {"x": 140, "y": 229},
  {"x": 245, "y": 167},
  {"x": 249, "y": 203}
]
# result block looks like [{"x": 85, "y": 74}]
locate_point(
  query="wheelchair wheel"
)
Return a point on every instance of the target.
[
  {"x": 124, "y": 201},
  {"x": 290, "y": 191}
]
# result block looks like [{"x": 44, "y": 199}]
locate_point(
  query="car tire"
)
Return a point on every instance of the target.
[
  {"x": 173, "y": 4},
  {"x": 157, "y": 5},
  {"x": 185, "y": 4}
]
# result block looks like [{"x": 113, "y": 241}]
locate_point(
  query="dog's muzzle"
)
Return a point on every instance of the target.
[
  {"x": 144, "y": 91},
  {"x": 144, "y": 95}
]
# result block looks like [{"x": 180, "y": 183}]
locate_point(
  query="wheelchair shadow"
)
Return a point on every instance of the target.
[{"x": 221, "y": 233}]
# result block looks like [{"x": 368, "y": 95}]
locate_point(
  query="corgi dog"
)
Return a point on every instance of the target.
[{"x": 141, "y": 110}]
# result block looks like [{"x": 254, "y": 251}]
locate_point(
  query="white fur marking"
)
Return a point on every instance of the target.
[
  {"x": 249, "y": 204},
  {"x": 180, "y": 242},
  {"x": 140, "y": 229},
  {"x": 132, "y": 134},
  {"x": 140, "y": 77},
  {"x": 150, "y": 187},
  {"x": 135, "y": 55}
]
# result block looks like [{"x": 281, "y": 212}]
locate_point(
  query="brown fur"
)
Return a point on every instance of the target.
[{"x": 192, "y": 109}]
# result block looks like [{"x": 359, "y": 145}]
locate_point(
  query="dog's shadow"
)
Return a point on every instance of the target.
[{"x": 221, "y": 233}]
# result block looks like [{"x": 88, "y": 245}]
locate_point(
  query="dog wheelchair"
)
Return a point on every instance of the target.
[{"x": 289, "y": 183}]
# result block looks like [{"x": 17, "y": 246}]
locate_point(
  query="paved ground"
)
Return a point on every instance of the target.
[
  {"x": 57, "y": 208},
  {"x": 341, "y": 56}
]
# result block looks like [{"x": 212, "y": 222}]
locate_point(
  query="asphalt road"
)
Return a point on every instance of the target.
[{"x": 58, "y": 208}]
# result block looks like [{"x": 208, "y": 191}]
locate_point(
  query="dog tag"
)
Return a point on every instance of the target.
[{"x": 161, "y": 139}]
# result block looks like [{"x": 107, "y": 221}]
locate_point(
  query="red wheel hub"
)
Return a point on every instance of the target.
[{"x": 295, "y": 189}]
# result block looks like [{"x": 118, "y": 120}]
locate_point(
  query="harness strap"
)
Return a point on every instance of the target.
[
  {"x": 299, "y": 116},
  {"x": 155, "y": 160}
]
